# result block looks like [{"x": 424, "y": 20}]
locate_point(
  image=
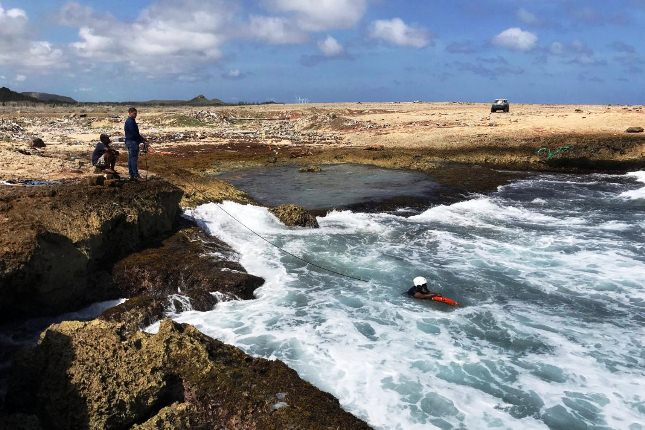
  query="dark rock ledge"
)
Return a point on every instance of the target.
[
  {"x": 65, "y": 246},
  {"x": 189, "y": 264},
  {"x": 93, "y": 375},
  {"x": 58, "y": 243},
  {"x": 294, "y": 216}
]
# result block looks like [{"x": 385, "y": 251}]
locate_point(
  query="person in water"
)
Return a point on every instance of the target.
[{"x": 420, "y": 289}]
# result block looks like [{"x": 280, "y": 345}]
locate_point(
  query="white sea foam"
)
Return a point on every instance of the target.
[
  {"x": 90, "y": 311},
  {"x": 640, "y": 175},
  {"x": 484, "y": 211},
  {"x": 178, "y": 303},
  {"x": 634, "y": 194},
  {"x": 547, "y": 328},
  {"x": 639, "y": 193}
]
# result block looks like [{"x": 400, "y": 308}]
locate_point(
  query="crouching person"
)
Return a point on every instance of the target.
[{"x": 104, "y": 156}]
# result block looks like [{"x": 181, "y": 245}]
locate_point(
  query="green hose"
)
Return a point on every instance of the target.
[{"x": 551, "y": 154}]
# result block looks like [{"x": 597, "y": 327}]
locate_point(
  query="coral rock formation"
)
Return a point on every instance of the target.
[
  {"x": 92, "y": 375},
  {"x": 59, "y": 242},
  {"x": 294, "y": 216}
]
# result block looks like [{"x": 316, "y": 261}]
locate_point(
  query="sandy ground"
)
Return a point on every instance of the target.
[{"x": 70, "y": 133}]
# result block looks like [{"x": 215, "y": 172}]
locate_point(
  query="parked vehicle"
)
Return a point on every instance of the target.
[{"x": 500, "y": 104}]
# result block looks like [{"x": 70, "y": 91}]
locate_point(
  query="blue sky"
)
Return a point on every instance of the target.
[{"x": 548, "y": 51}]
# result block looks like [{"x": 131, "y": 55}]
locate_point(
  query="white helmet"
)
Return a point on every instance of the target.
[{"x": 419, "y": 280}]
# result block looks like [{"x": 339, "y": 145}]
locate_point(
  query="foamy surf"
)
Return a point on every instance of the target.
[
  {"x": 639, "y": 193},
  {"x": 550, "y": 334}
]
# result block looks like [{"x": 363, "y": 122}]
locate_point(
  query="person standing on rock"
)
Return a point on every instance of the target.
[{"x": 132, "y": 141}]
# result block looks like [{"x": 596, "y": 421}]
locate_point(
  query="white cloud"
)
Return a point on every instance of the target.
[
  {"x": 167, "y": 37},
  {"x": 397, "y": 32},
  {"x": 179, "y": 38},
  {"x": 20, "y": 78},
  {"x": 556, "y": 48},
  {"x": 275, "y": 30},
  {"x": 234, "y": 75},
  {"x": 516, "y": 39},
  {"x": 16, "y": 47},
  {"x": 74, "y": 14},
  {"x": 576, "y": 52},
  {"x": 330, "y": 47},
  {"x": 43, "y": 55},
  {"x": 321, "y": 15},
  {"x": 527, "y": 17},
  {"x": 13, "y": 23}
]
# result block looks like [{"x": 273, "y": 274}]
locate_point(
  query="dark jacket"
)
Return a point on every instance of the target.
[
  {"x": 132, "y": 131},
  {"x": 98, "y": 151}
]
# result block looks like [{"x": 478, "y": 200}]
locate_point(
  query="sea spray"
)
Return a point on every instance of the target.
[{"x": 550, "y": 271}]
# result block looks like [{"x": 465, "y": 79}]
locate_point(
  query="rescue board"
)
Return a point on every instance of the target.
[{"x": 446, "y": 300}]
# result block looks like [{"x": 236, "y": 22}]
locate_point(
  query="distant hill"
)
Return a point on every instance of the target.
[
  {"x": 197, "y": 101},
  {"x": 6, "y": 95},
  {"x": 51, "y": 98},
  {"x": 202, "y": 100}
]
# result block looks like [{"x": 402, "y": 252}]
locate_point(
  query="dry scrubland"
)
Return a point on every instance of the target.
[{"x": 268, "y": 133}]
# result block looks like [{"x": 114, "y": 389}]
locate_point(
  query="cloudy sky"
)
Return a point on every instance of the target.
[{"x": 536, "y": 51}]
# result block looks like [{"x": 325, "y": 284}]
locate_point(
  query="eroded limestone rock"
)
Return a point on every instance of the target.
[
  {"x": 294, "y": 216},
  {"x": 58, "y": 242},
  {"x": 93, "y": 375},
  {"x": 190, "y": 264}
]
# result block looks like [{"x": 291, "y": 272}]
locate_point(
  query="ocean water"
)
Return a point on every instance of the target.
[{"x": 550, "y": 272}]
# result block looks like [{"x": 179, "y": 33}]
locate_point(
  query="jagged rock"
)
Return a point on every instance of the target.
[
  {"x": 294, "y": 216},
  {"x": 634, "y": 130},
  {"x": 59, "y": 242},
  {"x": 37, "y": 143},
  {"x": 190, "y": 264},
  {"x": 137, "y": 312},
  {"x": 310, "y": 169},
  {"x": 19, "y": 422},
  {"x": 176, "y": 416},
  {"x": 375, "y": 148},
  {"x": 92, "y": 375},
  {"x": 112, "y": 182},
  {"x": 95, "y": 180}
]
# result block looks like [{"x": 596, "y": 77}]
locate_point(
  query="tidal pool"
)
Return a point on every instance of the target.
[{"x": 336, "y": 186}]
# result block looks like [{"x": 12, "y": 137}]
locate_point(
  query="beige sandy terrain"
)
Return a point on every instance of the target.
[{"x": 70, "y": 133}]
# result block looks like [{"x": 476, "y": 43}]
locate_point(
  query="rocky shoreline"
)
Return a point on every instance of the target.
[
  {"x": 71, "y": 244},
  {"x": 68, "y": 244},
  {"x": 60, "y": 242},
  {"x": 94, "y": 375}
]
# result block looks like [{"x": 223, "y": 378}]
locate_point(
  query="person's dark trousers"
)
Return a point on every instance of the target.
[{"x": 133, "y": 158}]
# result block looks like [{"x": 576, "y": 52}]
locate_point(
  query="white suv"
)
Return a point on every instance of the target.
[{"x": 499, "y": 104}]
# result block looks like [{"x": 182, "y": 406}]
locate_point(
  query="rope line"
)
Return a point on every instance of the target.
[
  {"x": 268, "y": 241},
  {"x": 289, "y": 253},
  {"x": 146, "y": 148}
]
